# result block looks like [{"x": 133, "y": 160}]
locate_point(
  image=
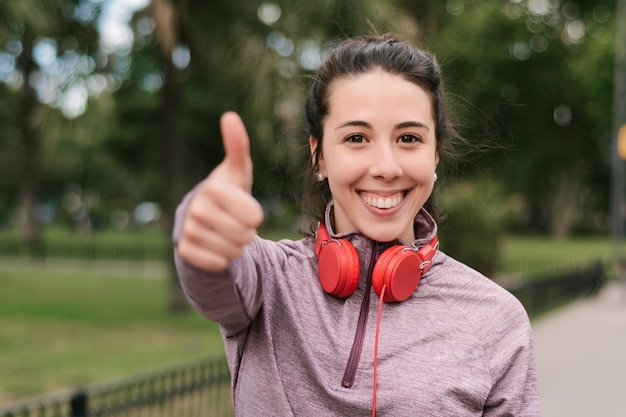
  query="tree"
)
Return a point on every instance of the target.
[
  {"x": 171, "y": 21},
  {"x": 538, "y": 70},
  {"x": 43, "y": 43}
]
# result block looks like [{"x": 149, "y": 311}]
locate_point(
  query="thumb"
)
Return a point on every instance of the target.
[{"x": 236, "y": 143}]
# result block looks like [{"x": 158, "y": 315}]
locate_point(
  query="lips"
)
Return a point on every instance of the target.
[{"x": 381, "y": 201}]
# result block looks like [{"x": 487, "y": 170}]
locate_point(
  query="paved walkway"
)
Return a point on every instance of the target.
[{"x": 581, "y": 356}]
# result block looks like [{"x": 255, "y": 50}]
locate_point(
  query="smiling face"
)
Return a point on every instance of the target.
[{"x": 379, "y": 153}]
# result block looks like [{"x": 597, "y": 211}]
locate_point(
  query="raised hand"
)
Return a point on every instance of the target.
[{"x": 222, "y": 217}]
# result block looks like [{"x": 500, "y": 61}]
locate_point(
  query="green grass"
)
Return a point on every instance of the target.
[
  {"x": 67, "y": 326},
  {"x": 537, "y": 256},
  {"x": 540, "y": 247}
]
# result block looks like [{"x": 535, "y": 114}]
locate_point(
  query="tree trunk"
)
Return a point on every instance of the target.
[
  {"x": 168, "y": 27},
  {"x": 564, "y": 206},
  {"x": 27, "y": 146},
  {"x": 173, "y": 184}
]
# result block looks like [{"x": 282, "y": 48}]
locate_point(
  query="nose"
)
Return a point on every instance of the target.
[{"x": 384, "y": 163}]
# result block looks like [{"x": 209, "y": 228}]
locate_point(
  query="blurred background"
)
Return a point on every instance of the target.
[{"x": 109, "y": 114}]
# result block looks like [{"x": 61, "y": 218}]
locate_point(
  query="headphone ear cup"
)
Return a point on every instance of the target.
[
  {"x": 399, "y": 269},
  {"x": 339, "y": 268}
]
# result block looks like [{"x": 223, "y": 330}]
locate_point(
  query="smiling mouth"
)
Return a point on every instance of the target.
[{"x": 381, "y": 202}]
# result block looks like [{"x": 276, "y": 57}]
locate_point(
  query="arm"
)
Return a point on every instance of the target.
[
  {"x": 515, "y": 390},
  {"x": 214, "y": 224}
]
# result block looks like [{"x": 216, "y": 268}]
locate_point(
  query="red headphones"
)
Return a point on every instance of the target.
[{"x": 399, "y": 267}]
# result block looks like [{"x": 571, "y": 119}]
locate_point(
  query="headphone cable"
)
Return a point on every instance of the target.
[{"x": 380, "y": 309}]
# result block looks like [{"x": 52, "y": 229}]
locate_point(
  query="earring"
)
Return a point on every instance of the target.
[
  {"x": 435, "y": 176},
  {"x": 319, "y": 176}
]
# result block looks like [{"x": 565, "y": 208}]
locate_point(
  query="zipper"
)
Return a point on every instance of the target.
[{"x": 359, "y": 336}]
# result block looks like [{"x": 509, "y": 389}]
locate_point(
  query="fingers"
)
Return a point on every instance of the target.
[
  {"x": 200, "y": 258},
  {"x": 233, "y": 214},
  {"x": 216, "y": 230},
  {"x": 210, "y": 249},
  {"x": 220, "y": 221}
]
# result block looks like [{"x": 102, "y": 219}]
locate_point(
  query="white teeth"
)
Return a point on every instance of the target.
[{"x": 382, "y": 203}]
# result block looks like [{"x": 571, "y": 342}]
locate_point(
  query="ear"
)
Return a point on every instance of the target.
[
  {"x": 317, "y": 160},
  {"x": 313, "y": 145}
]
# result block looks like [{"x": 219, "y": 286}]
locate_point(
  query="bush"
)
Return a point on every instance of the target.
[{"x": 476, "y": 219}]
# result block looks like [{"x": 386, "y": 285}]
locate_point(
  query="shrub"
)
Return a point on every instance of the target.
[{"x": 476, "y": 216}]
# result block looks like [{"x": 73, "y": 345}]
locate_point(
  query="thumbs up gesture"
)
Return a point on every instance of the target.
[{"x": 222, "y": 216}]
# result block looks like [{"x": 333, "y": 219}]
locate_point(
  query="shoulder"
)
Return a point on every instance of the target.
[
  {"x": 491, "y": 310},
  {"x": 465, "y": 284},
  {"x": 283, "y": 248},
  {"x": 270, "y": 254}
]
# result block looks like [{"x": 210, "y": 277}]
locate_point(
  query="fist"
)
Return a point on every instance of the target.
[{"x": 222, "y": 216}]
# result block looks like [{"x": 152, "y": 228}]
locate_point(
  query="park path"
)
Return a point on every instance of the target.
[{"x": 581, "y": 356}]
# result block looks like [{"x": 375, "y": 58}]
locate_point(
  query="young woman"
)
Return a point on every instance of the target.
[{"x": 367, "y": 315}]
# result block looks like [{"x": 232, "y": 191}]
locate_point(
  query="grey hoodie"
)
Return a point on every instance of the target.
[{"x": 459, "y": 346}]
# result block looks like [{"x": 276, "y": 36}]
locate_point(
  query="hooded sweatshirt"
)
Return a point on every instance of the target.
[{"x": 460, "y": 345}]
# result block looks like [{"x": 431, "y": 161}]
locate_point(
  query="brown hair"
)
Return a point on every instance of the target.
[{"x": 358, "y": 56}]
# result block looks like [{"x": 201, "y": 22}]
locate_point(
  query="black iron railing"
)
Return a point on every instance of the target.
[
  {"x": 82, "y": 252},
  {"x": 195, "y": 390},
  {"x": 549, "y": 292}
]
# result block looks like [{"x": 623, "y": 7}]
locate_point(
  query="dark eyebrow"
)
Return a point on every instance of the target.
[
  {"x": 354, "y": 123},
  {"x": 404, "y": 125}
]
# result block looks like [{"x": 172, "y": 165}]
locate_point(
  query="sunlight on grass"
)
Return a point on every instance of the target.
[
  {"x": 49, "y": 355},
  {"x": 63, "y": 329},
  {"x": 536, "y": 256}
]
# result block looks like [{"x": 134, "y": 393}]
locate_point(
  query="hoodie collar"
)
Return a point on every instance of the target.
[{"x": 424, "y": 225}]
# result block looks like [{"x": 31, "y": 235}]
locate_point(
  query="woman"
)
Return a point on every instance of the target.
[{"x": 301, "y": 335}]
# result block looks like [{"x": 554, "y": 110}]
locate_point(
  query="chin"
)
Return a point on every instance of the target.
[{"x": 383, "y": 236}]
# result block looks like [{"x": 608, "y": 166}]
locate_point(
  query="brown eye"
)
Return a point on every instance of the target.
[
  {"x": 355, "y": 139},
  {"x": 409, "y": 139}
]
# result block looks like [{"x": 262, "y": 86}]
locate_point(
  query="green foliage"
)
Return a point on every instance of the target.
[
  {"x": 536, "y": 80},
  {"x": 47, "y": 48},
  {"x": 544, "y": 77},
  {"x": 477, "y": 216}
]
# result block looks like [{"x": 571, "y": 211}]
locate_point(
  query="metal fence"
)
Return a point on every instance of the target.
[
  {"x": 82, "y": 251},
  {"x": 552, "y": 291},
  {"x": 194, "y": 390}
]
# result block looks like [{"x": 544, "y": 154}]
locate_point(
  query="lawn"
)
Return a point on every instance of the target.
[
  {"x": 63, "y": 326},
  {"x": 537, "y": 256}
]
